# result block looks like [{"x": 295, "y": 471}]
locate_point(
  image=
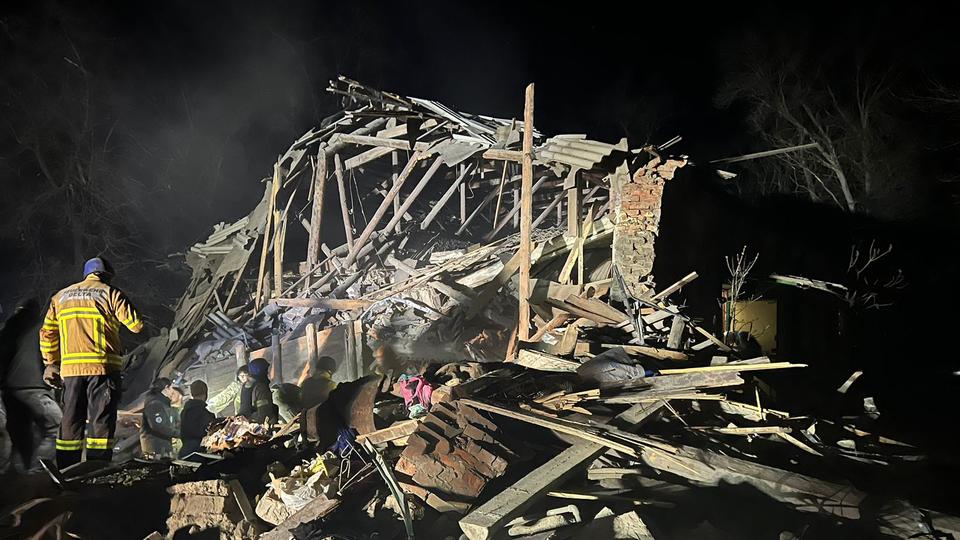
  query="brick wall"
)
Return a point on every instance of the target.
[{"x": 637, "y": 200}]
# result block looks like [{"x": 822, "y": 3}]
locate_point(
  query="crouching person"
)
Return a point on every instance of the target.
[
  {"x": 160, "y": 421},
  {"x": 194, "y": 419}
]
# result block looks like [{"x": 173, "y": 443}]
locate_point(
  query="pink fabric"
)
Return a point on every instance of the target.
[{"x": 416, "y": 390}]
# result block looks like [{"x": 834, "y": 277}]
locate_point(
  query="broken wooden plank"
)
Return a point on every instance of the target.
[
  {"x": 546, "y": 211},
  {"x": 550, "y": 325},
  {"x": 470, "y": 387},
  {"x": 849, "y": 382},
  {"x": 489, "y": 518},
  {"x": 496, "y": 207},
  {"x": 563, "y": 400},
  {"x": 607, "y": 525},
  {"x": 397, "y": 431},
  {"x": 545, "y": 362},
  {"x": 396, "y": 131},
  {"x": 653, "y": 352},
  {"x": 366, "y": 157},
  {"x": 662, "y": 295},
  {"x": 720, "y": 345},
  {"x": 513, "y": 212},
  {"x": 476, "y": 211},
  {"x": 370, "y": 127},
  {"x": 394, "y": 172},
  {"x": 686, "y": 381},
  {"x": 279, "y": 239},
  {"x": 542, "y": 289},
  {"x": 567, "y": 268},
  {"x": 603, "y": 473},
  {"x": 596, "y": 306},
  {"x": 732, "y": 367},
  {"x": 336, "y": 304},
  {"x": 746, "y": 431},
  {"x": 236, "y": 281},
  {"x": 275, "y": 187},
  {"x": 705, "y": 344},
  {"x": 555, "y": 424},
  {"x": 342, "y": 192},
  {"x": 434, "y": 500},
  {"x": 574, "y": 204},
  {"x": 316, "y": 213},
  {"x": 526, "y": 215},
  {"x": 804, "y": 493},
  {"x": 366, "y": 140},
  {"x": 582, "y": 313},
  {"x": 750, "y": 411},
  {"x": 446, "y": 197},
  {"x": 505, "y": 155},
  {"x": 412, "y": 197},
  {"x": 382, "y": 210},
  {"x": 675, "y": 338},
  {"x": 571, "y": 336},
  {"x": 457, "y": 296},
  {"x": 799, "y": 444},
  {"x": 586, "y": 230},
  {"x": 660, "y": 315}
]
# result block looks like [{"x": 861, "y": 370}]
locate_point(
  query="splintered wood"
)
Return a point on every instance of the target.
[
  {"x": 537, "y": 361},
  {"x": 568, "y": 401}
]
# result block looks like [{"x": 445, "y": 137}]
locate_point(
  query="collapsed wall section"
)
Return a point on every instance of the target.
[{"x": 637, "y": 199}]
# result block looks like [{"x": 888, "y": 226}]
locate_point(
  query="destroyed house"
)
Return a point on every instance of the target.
[
  {"x": 427, "y": 202},
  {"x": 614, "y": 407}
]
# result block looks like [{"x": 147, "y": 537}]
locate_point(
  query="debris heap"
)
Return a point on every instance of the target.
[{"x": 620, "y": 409}]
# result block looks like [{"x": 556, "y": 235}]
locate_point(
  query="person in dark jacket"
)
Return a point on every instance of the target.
[
  {"x": 256, "y": 399},
  {"x": 194, "y": 419},
  {"x": 159, "y": 425},
  {"x": 34, "y": 413},
  {"x": 244, "y": 405}
]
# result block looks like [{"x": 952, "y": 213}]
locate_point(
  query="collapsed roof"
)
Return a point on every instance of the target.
[{"x": 417, "y": 184}]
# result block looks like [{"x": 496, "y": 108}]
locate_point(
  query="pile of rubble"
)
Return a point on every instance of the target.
[
  {"x": 491, "y": 383},
  {"x": 212, "y": 505}
]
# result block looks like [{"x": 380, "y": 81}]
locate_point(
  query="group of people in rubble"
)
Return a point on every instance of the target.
[
  {"x": 168, "y": 417},
  {"x": 60, "y": 383}
]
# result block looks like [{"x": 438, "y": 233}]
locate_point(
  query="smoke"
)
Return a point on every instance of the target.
[{"x": 185, "y": 105}]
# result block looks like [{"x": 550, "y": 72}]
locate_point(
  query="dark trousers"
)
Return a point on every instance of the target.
[
  {"x": 34, "y": 423},
  {"x": 5, "y": 446},
  {"x": 190, "y": 446},
  {"x": 89, "y": 415}
]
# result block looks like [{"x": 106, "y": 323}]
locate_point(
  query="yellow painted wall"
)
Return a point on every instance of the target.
[{"x": 759, "y": 318}]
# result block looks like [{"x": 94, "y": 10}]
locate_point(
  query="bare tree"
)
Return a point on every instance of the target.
[
  {"x": 739, "y": 267},
  {"x": 940, "y": 104},
  {"x": 67, "y": 200},
  {"x": 869, "y": 286},
  {"x": 792, "y": 103}
]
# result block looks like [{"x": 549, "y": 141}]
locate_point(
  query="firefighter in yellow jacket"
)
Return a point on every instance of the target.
[{"x": 80, "y": 344}]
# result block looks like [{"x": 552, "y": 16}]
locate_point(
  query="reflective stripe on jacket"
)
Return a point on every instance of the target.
[{"x": 81, "y": 330}]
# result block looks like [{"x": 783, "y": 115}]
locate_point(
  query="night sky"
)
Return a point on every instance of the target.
[{"x": 189, "y": 103}]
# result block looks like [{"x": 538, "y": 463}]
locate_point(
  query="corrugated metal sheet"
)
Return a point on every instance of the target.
[
  {"x": 577, "y": 150},
  {"x": 477, "y": 129}
]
